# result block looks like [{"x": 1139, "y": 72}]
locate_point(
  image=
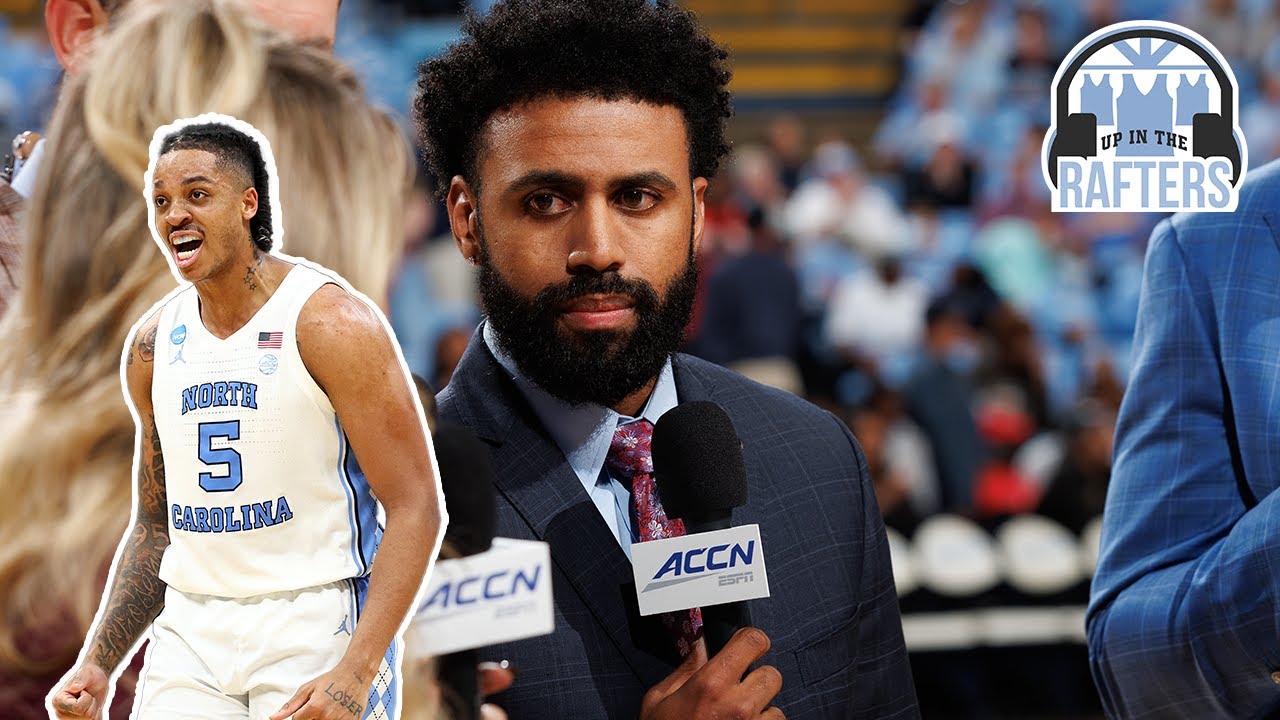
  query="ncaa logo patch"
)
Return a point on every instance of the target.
[
  {"x": 178, "y": 336},
  {"x": 268, "y": 364},
  {"x": 1145, "y": 119}
]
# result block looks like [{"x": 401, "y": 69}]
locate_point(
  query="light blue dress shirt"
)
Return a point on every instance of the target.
[{"x": 584, "y": 433}]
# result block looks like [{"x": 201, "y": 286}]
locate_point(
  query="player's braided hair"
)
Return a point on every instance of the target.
[
  {"x": 239, "y": 152},
  {"x": 609, "y": 49}
]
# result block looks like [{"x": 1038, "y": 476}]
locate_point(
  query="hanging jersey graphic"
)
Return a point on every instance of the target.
[
  {"x": 1144, "y": 119},
  {"x": 264, "y": 494},
  {"x": 1097, "y": 98},
  {"x": 1192, "y": 98},
  {"x": 1146, "y": 112}
]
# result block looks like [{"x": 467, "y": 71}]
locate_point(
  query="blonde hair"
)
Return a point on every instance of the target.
[{"x": 91, "y": 270}]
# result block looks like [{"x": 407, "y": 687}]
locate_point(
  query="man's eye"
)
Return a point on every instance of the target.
[
  {"x": 198, "y": 194},
  {"x": 546, "y": 203},
  {"x": 160, "y": 202},
  {"x": 637, "y": 199}
]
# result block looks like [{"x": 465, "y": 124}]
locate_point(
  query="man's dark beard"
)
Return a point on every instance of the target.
[{"x": 595, "y": 366}]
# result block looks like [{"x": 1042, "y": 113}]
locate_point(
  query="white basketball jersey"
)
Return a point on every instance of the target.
[{"x": 264, "y": 493}]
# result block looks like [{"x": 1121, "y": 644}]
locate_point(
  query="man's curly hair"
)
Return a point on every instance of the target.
[
  {"x": 608, "y": 49},
  {"x": 239, "y": 153}
]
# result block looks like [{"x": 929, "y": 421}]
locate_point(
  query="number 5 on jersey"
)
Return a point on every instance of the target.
[{"x": 227, "y": 430}]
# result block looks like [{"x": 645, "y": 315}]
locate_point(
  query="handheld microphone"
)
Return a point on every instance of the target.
[
  {"x": 466, "y": 477},
  {"x": 701, "y": 478}
]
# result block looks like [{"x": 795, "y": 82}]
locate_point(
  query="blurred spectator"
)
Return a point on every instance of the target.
[
  {"x": 903, "y": 138},
  {"x": 1264, "y": 29},
  {"x": 756, "y": 174},
  {"x": 877, "y": 314},
  {"x": 939, "y": 399},
  {"x": 751, "y": 321},
  {"x": 968, "y": 45},
  {"x": 1078, "y": 490},
  {"x": 434, "y": 288},
  {"x": 1105, "y": 385},
  {"x": 971, "y": 295},
  {"x": 1001, "y": 489},
  {"x": 426, "y": 396},
  {"x": 943, "y": 241},
  {"x": 1258, "y": 120},
  {"x": 907, "y": 452},
  {"x": 449, "y": 348},
  {"x": 893, "y": 493},
  {"x": 839, "y": 203},
  {"x": 1033, "y": 61},
  {"x": 1015, "y": 365},
  {"x": 725, "y": 233},
  {"x": 1221, "y": 23},
  {"x": 786, "y": 140},
  {"x": 947, "y": 178},
  {"x": 410, "y": 293},
  {"x": 1012, "y": 255},
  {"x": 1099, "y": 14},
  {"x": 1015, "y": 185},
  {"x": 913, "y": 23},
  {"x": 724, "y": 219}
]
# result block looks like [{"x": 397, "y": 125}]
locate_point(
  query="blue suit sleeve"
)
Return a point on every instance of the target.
[{"x": 1182, "y": 620}]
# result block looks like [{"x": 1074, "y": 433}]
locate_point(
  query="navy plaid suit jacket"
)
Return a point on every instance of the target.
[
  {"x": 833, "y": 613},
  {"x": 1184, "y": 619}
]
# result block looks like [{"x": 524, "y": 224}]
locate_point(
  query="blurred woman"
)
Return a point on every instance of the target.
[{"x": 92, "y": 269}]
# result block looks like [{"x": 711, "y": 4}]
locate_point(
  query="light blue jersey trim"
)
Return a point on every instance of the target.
[
  {"x": 353, "y": 502},
  {"x": 387, "y": 677},
  {"x": 366, "y": 510}
]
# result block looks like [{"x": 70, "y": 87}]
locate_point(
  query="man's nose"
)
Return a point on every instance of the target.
[
  {"x": 176, "y": 215},
  {"x": 594, "y": 245}
]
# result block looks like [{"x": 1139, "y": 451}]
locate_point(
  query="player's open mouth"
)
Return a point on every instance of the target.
[{"x": 185, "y": 248}]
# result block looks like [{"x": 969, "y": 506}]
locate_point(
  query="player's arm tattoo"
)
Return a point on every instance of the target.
[
  {"x": 137, "y": 593},
  {"x": 345, "y": 700},
  {"x": 146, "y": 346}
]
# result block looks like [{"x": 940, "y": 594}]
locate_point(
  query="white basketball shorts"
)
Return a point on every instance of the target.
[{"x": 243, "y": 658}]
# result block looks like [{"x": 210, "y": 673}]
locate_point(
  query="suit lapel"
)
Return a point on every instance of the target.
[{"x": 531, "y": 473}]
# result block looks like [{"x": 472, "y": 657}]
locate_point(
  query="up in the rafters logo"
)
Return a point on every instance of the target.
[{"x": 1144, "y": 119}]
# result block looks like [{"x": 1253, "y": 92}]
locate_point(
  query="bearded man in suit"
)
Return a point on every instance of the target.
[{"x": 575, "y": 139}]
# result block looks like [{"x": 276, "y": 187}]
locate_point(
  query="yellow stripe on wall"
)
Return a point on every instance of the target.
[
  {"x": 811, "y": 78},
  {"x": 800, "y": 39}
]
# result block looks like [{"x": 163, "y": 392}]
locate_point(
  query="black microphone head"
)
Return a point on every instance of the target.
[
  {"x": 697, "y": 462},
  {"x": 466, "y": 476}
]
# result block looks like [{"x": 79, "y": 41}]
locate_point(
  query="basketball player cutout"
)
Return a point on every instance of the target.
[{"x": 274, "y": 414}]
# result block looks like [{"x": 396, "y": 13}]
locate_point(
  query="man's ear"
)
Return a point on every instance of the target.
[
  {"x": 72, "y": 25},
  {"x": 249, "y": 203},
  {"x": 699, "y": 211},
  {"x": 462, "y": 206}
]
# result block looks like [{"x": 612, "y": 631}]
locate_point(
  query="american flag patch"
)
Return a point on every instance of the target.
[{"x": 270, "y": 340}]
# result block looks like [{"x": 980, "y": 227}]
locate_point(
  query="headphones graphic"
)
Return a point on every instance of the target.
[{"x": 1212, "y": 134}]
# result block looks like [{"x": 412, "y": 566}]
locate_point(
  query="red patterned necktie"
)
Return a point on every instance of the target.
[{"x": 630, "y": 460}]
